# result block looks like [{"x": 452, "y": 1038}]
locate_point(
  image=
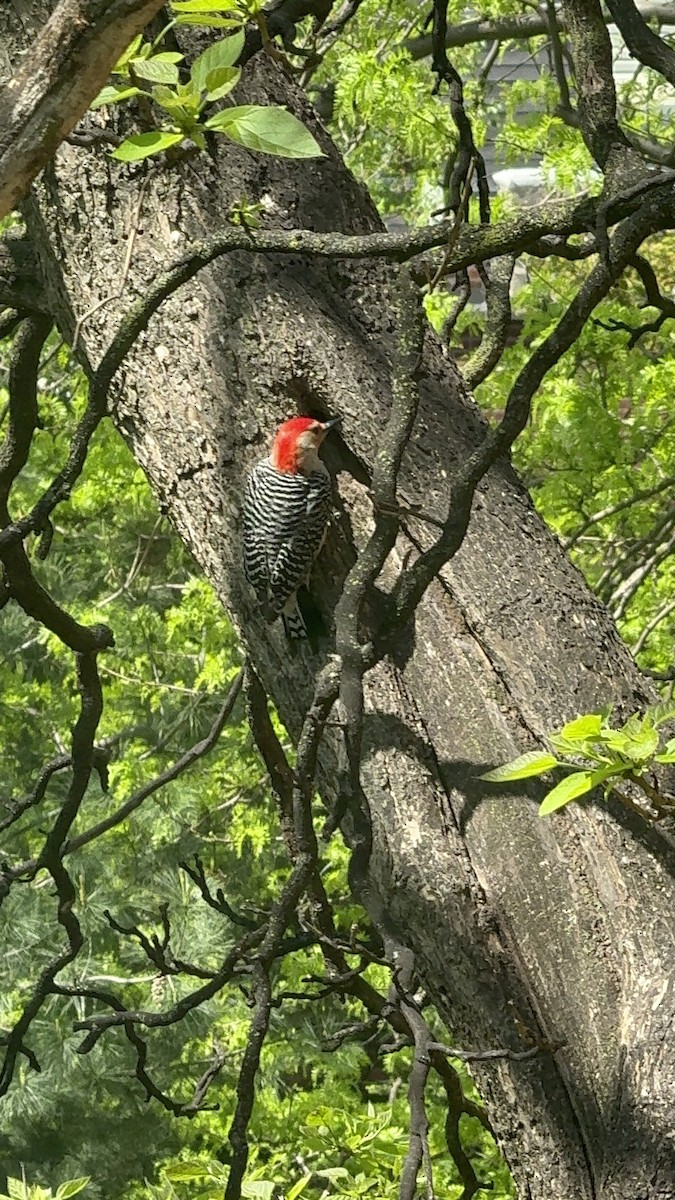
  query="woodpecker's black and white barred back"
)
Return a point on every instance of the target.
[{"x": 287, "y": 504}]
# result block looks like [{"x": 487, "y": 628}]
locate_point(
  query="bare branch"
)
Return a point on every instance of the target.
[
  {"x": 611, "y": 510},
  {"x": 89, "y": 686},
  {"x": 462, "y": 289},
  {"x": 204, "y": 746},
  {"x": 16, "y": 809},
  {"x": 186, "y": 760},
  {"x": 643, "y": 43},
  {"x": 21, "y": 584},
  {"x": 520, "y": 28},
  {"x": 624, "y": 593},
  {"x": 467, "y": 154},
  {"x": 23, "y": 409},
  {"x": 557, "y": 54},
  {"x": 497, "y": 1055},
  {"x": 154, "y": 1020},
  {"x": 218, "y": 902},
  {"x": 663, "y": 612},
  {"x": 498, "y": 321},
  {"x": 475, "y": 244},
  {"x": 238, "y": 1135}
]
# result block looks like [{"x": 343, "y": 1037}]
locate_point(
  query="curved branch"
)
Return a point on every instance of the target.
[
  {"x": 23, "y": 409},
  {"x": 498, "y": 321},
  {"x": 475, "y": 243},
  {"x": 643, "y": 43}
]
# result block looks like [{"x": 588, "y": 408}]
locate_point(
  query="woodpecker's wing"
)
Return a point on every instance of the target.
[
  {"x": 302, "y": 537},
  {"x": 285, "y": 518},
  {"x": 256, "y": 519}
]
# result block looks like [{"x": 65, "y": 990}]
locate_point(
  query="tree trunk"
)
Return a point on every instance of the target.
[{"x": 563, "y": 925}]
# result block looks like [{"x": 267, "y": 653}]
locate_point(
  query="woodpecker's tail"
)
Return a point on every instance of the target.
[
  {"x": 291, "y": 615},
  {"x": 294, "y": 622}
]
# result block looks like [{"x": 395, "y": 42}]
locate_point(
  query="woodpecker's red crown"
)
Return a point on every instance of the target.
[{"x": 296, "y": 440}]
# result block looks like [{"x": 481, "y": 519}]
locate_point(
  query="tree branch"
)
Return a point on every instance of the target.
[
  {"x": 23, "y": 408},
  {"x": 19, "y": 284},
  {"x": 643, "y": 43},
  {"x": 612, "y": 509},
  {"x": 414, "y": 582},
  {"x": 652, "y": 624},
  {"x": 474, "y": 244},
  {"x": 521, "y": 28},
  {"x": 120, "y": 814},
  {"x": 596, "y": 94},
  {"x": 467, "y": 155},
  {"x": 59, "y": 76},
  {"x": 498, "y": 320}
]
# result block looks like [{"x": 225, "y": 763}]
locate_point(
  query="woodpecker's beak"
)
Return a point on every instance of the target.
[{"x": 329, "y": 424}]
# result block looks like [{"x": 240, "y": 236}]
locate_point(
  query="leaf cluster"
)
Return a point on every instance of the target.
[
  {"x": 608, "y": 757},
  {"x": 154, "y": 75},
  {"x": 18, "y": 1189}
]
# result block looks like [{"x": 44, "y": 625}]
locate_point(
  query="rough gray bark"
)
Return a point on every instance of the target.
[{"x": 565, "y": 924}]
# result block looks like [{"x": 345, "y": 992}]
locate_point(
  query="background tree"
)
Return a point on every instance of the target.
[{"x": 454, "y": 662}]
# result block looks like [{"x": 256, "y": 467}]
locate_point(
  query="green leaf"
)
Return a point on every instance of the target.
[
  {"x": 72, "y": 1187},
  {"x": 167, "y": 98},
  {"x": 616, "y": 740},
  {"x": 141, "y": 145},
  {"x": 532, "y": 763},
  {"x": 642, "y": 744},
  {"x": 661, "y": 713},
  {"x": 271, "y": 130},
  {"x": 170, "y": 56},
  {"x": 188, "y": 93},
  {"x": 221, "y": 54},
  {"x": 573, "y": 786},
  {"x": 122, "y": 65},
  {"x": 221, "y": 81},
  {"x": 156, "y": 69},
  {"x": 209, "y": 22},
  {"x": 633, "y": 726},
  {"x": 113, "y": 95},
  {"x": 199, "y": 6},
  {"x": 261, "y": 1189},
  {"x": 298, "y": 1187},
  {"x": 16, "y": 1189},
  {"x": 184, "y": 99},
  {"x": 185, "y": 1171},
  {"x": 667, "y": 757},
  {"x": 583, "y": 727}
]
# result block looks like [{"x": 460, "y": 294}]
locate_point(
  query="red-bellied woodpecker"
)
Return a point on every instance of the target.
[{"x": 287, "y": 504}]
